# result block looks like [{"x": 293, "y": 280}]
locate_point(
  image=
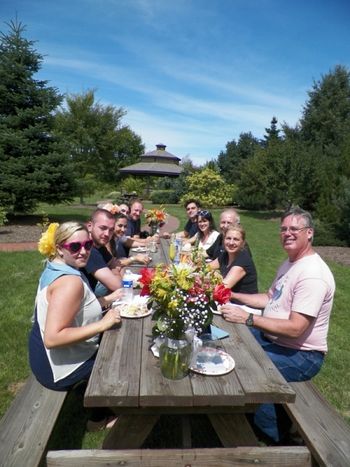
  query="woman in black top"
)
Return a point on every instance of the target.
[{"x": 235, "y": 263}]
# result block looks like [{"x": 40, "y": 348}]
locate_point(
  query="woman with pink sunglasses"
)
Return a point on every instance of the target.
[{"x": 68, "y": 319}]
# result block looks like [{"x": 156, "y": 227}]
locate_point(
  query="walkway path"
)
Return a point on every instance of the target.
[{"x": 172, "y": 225}]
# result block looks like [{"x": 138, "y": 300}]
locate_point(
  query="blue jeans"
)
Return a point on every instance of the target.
[{"x": 294, "y": 365}]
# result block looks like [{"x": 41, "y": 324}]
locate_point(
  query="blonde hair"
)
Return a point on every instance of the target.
[
  {"x": 57, "y": 234},
  {"x": 236, "y": 228}
]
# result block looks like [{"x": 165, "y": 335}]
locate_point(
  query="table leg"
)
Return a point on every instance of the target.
[
  {"x": 233, "y": 430},
  {"x": 186, "y": 432},
  {"x": 130, "y": 431}
]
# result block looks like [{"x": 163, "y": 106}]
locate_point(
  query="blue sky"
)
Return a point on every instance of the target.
[{"x": 192, "y": 74}]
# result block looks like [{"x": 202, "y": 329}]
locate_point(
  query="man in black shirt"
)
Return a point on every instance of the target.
[
  {"x": 98, "y": 268},
  {"x": 192, "y": 207},
  {"x": 134, "y": 220}
]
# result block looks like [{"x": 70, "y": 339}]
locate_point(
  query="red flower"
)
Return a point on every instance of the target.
[
  {"x": 221, "y": 294},
  {"x": 147, "y": 275}
]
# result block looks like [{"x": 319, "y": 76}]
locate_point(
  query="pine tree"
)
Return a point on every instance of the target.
[{"x": 33, "y": 166}]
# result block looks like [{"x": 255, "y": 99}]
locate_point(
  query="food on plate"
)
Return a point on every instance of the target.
[{"x": 136, "y": 308}]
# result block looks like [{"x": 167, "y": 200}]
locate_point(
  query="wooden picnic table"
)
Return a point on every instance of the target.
[{"x": 127, "y": 378}]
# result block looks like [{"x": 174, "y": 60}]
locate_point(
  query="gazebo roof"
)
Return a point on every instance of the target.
[{"x": 157, "y": 162}]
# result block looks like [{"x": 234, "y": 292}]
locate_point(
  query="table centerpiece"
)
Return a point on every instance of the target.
[
  {"x": 155, "y": 218},
  {"x": 182, "y": 297}
]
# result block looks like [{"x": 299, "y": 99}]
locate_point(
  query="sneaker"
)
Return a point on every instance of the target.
[{"x": 104, "y": 424}]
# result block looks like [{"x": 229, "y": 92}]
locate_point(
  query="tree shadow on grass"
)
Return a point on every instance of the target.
[{"x": 34, "y": 219}]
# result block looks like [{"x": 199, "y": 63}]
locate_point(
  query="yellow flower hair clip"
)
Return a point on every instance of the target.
[{"x": 46, "y": 245}]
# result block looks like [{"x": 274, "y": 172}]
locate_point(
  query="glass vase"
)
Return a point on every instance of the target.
[
  {"x": 154, "y": 227},
  {"x": 175, "y": 357}
]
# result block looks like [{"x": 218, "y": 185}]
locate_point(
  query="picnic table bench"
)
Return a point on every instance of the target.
[
  {"x": 27, "y": 425},
  {"x": 324, "y": 431}
]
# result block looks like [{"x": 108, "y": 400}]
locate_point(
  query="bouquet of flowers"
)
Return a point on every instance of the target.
[
  {"x": 182, "y": 297},
  {"x": 156, "y": 216}
]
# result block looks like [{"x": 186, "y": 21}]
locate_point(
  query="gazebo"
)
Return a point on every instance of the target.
[{"x": 159, "y": 162}]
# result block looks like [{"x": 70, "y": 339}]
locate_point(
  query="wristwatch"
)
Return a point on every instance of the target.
[{"x": 250, "y": 320}]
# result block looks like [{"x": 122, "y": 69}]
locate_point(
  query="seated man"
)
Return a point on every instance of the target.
[
  {"x": 294, "y": 325},
  {"x": 228, "y": 217},
  {"x": 134, "y": 219},
  {"x": 124, "y": 209},
  {"x": 100, "y": 264},
  {"x": 192, "y": 207}
]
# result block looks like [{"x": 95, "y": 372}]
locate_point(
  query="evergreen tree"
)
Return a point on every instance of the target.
[
  {"x": 326, "y": 116},
  {"x": 230, "y": 162},
  {"x": 33, "y": 167},
  {"x": 272, "y": 133}
]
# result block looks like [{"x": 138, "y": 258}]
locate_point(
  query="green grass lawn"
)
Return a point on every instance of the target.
[{"x": 19, "y": 273}]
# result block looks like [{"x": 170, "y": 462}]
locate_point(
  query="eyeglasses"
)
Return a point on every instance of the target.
[
  {"x": 74, "y": 247},
  {"x": 292, "y": 229}
]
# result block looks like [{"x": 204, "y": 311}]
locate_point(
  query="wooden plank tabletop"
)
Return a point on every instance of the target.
[{"x": 127, "y": 377}]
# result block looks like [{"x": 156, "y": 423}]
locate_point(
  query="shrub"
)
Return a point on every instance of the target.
[
  {"x": 164, "y": 197},
  {"x": 325, "y": 235},
  {"x": 209, "y": 188},
  {"x": 3, "y": 218}
]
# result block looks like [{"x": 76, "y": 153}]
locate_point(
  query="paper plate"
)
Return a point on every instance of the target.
[
  {"x": 139, "y": 249},
  {"x": 136, "y": 309},
  {"x": 212, "y": 362}
]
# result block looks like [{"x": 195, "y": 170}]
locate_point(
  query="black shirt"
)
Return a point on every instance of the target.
[
  {"x": 98, "y": 259},
  {"x": 191, "y": 228},
  {"x": 248, "y": 283},
  {"x": 133, "y": 227}
]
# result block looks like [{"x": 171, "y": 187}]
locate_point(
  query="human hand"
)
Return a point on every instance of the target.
[
  {"x": 144, "y": 259},
  {"x": 233, "y": 314},
  {"x": 111, "y": 318},
  {"x": 116, "y": 295}
]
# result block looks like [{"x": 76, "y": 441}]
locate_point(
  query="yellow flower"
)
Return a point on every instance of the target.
[{"x": 46, "y": 245}]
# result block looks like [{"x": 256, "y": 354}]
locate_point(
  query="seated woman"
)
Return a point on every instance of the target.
[
  {"x": 120, "y": 244},
  {"x": 207, "y": 233},
  {"x": 68, "y": 319},
  {"x": 235, "y": 263}
]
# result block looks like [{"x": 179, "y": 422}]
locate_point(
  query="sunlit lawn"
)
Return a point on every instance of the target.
[{"x": 19, "y": 273}]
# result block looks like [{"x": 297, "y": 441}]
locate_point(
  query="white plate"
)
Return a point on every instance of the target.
[
  {"x": 139, "y": 249},
  {"x": 212, "y": 362},
  {"x": 136, "y": 309}
]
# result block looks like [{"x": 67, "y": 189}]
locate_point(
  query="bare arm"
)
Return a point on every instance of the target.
[
  {"x": 139, "y": 258},
  {"x": 64, "y": 297},
  {"x": 235, "y": 274},
  {"x": 255, "y": 300},
  {"x": 107, "y": 277},
  {"x": 293, "y": 327}
]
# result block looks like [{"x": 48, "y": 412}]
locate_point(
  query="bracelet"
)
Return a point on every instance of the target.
[{"x": 132, "y": 259}]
